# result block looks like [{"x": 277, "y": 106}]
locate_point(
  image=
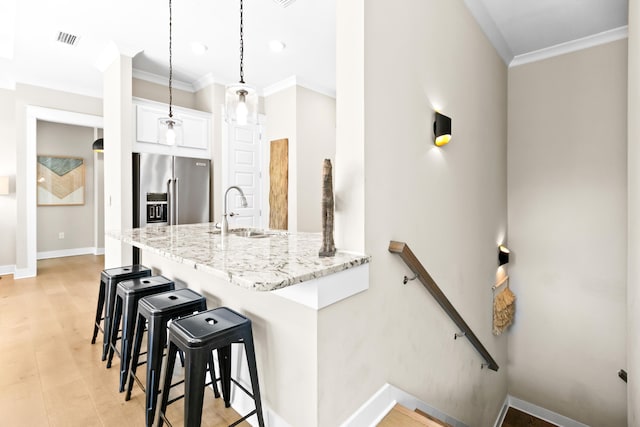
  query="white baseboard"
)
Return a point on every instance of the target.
[
  {"x": 375, "y": 409},
  {"x": 67, "y": 252},
  {"x": 7, "y": 269},
  {"x": 243, "y": 404},
  {"x": 503, "y": 412},
  {"x": 98, "y": 251},
  {"x": 24, "y": 273},
  {"x": 542, "y": 413},
  {"x": 240, "y": 401}
]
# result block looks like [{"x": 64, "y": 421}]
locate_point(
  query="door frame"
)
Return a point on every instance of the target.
[{"x": 33, "y": 114}]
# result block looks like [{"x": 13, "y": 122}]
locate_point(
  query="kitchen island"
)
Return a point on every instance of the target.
[{"x": 277, "y": 280}]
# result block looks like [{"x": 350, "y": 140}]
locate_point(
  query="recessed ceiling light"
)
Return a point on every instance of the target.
[
  {"x": 277, "y": 46},
  {"x": 198, "y": 48}
]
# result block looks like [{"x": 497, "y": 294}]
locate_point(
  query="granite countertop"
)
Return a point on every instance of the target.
[{"x": 262, "y": 263}]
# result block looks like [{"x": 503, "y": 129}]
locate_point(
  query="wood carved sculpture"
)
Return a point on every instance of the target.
[{"x": 328, "y": 246}]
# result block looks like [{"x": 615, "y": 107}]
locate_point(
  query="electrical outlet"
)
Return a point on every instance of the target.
[{"x": 61, "y": 235}]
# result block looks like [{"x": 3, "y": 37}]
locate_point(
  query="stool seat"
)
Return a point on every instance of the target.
[
  {"x": 109, "y": 279},
  {"x": 156, "y": 311},
  {"x": 197, "y": 336},
  {"x": 128, "y": 294}
]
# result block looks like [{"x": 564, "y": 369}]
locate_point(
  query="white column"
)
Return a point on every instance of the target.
[
  {"x": 118, "y": 136},
  {"x": 349, "y": 167},
  {"x": 633, "y": 256}
]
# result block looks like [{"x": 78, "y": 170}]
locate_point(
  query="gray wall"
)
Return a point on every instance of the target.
[
  {"x": 308, "y": 120},
  {"x": 8, "y": 205},
  {"x": 633, "y": 197},
  {"x": 567, "y": 229},
  {"x": 449, "y": 204},
  {"x": 316, "y": 141},
  {"x": 23, "y": 96},
  {"x": 76, "y": 222}
]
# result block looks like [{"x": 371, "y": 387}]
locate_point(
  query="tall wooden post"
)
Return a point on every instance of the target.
[{"x": 328, "y": 246}]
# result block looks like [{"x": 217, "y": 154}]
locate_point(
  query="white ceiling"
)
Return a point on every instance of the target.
[
  {"x": 521, "y": 28},
  {"x": 29, "y": 53}
]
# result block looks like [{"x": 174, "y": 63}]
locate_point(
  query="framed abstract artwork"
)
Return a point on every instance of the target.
[{"x": 60, "y": 181}]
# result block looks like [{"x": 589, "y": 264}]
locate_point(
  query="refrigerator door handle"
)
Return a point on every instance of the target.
[
  {"x": 170, "y": 202},
  {"x": 176, "y": 206}
]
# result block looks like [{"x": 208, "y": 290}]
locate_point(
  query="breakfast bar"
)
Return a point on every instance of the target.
[{"x": 276, "y": 279}]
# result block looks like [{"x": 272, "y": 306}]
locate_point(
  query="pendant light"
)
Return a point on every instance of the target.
[
  {"x": 170, "y": 128},
  {"x": 241, "y": 100}
]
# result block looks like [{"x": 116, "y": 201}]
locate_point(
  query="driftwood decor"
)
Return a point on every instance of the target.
[
  {"x": 279, "y": 185},
  {"x": 328, "y": 248}
]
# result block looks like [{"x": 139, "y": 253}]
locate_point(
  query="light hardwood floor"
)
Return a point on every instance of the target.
[{"x": 50, "y": 374}]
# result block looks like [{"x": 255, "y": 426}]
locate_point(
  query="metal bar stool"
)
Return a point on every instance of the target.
[
  {"x": 109, "y": 279},
  {"x": 126, "y": 306},
  {"x": 156, "y": 311},
  {"x": 197, "y": 336}
]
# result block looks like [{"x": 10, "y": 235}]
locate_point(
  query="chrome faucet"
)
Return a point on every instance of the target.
[{"x": 225, "y": 224}]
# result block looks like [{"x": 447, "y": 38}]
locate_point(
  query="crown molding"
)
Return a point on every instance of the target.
[
  {"x": 111, "y": 52},
  {"x": 204, "y": 81},
  {"x": 279, "y": 86},
  {"x": 571, "y": 46},
  {"x": 296, "y": 81},
  {"x": 161, "y": 80}
]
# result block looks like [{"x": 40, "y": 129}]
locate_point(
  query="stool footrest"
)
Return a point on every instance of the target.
[
  {"x": 242, "y": 388},
  {"x": 243, "y": 418},
  {"x": 175, "y": 399}
]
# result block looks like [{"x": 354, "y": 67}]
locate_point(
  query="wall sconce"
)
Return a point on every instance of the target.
[
  {"x": 503, "y": 255},
  {"x": 98, "y": 145},
  {"x": 4, "y": 185},
  {"x": 442, "y": 129}
]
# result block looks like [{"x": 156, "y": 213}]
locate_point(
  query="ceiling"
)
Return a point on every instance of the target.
[{"x": 29, "y": 52}]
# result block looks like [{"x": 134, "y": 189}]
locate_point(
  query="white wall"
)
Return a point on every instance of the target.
[
  {"x": 449, "y": 204},
  {"x": 567, "y": 230},
  {"x": 76, "y": 222}
]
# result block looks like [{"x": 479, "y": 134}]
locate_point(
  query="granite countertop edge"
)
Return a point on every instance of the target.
[{"x": 304, "y": 267}]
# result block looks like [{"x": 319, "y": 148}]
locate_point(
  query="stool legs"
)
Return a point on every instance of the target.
[
  {"x": 194, "y": 381},
  {"x": 99, "y": 310},
  {"x": 171, "y": 361},
  {"x": 115, "y": 326},
  {"x": 253, "y": 373},
  {"x": 110, "y": 293},
  {"x": 156, "y": 339},
  {"x": 224, "y": 361},
  {"x": 135, "y": 355},
  {"x": 128, "y": 327}
]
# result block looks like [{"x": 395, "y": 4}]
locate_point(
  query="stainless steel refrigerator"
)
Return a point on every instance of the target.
[{"x": 170, "y": 190}]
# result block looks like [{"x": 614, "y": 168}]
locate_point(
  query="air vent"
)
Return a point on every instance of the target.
[
  {"x": 284, "y": 3},
  {"x": 67, "y": 38}
]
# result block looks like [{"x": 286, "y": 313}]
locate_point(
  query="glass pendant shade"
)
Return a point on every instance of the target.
[
  {"x": 241, "y": 104},
  {"x": 170, "y": 131}
]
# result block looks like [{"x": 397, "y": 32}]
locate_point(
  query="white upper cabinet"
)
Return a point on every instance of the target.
[{"x": 196, "y": 125}]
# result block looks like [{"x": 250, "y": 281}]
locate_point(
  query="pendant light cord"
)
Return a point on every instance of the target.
[
  {"x": 170, "y": 63},
  {"x": 241, "y": 43}
]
